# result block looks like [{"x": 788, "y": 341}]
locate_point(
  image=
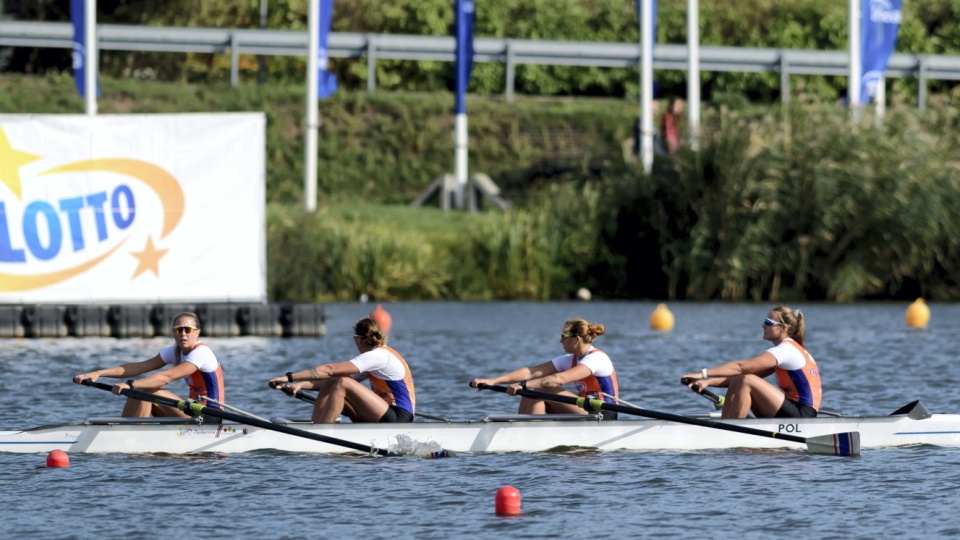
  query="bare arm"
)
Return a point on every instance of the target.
[
  {"x": 309, "y": 379},
  {"x": 162, "y": 378},
  {"x": 761, "y": 366},
  {"x": 557, "y": 380},
  {"x": 124, "y": 371},
  {"x": 522, "y": 374}
]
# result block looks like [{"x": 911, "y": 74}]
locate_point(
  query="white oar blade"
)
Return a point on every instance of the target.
[{"x": 838, "y": 444}]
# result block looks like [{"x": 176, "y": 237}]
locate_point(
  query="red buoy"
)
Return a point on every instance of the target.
[
  {"x": 383, "y": 318},
  {"x": 58, "y": 458},
  {"x": 508, "y": 501}
]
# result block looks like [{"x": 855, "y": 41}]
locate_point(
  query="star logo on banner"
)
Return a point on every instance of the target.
[
  {"x": 10, "y": 162},
  {"x": 149, "y": 259}
]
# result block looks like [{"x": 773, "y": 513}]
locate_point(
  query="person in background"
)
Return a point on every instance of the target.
[
  {"x": 391, "y": 398},
  {"x": 584, "y": 365},
  {"x": 191, "y": 361},
  {"x": 670, "y": 125},
  {"x": 798, "y": 377}
]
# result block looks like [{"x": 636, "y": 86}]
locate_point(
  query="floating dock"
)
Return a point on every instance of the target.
[{"x": 149, "y": 320}]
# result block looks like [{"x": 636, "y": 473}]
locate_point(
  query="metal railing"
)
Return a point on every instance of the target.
[{"x": 511, "y": 52}]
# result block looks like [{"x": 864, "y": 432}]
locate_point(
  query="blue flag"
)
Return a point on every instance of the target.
[
  {"x": 464, "y": 62},
  {"x": 879, "y": 22},
  {"x": 326, "y": 80},
  {"x": 78, "y": 17}
]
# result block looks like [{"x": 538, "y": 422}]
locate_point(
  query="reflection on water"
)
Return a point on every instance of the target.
[{"x": 871, "y": 363}]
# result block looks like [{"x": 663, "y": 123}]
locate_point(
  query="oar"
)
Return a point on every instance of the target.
[
  {"x": 838, "y": 444},
  {"x": 197, "y": 409},
  {"x": 719, "y": 400},
  {"x": 303, "y": 396}
]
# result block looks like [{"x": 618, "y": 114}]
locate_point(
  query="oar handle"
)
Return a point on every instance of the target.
[
  {"x": 301, "y": 395},
  {"x": 718, "y": 400}
]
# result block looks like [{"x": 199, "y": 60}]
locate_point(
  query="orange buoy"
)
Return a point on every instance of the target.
[
  {"x": 918, "y": 314},
  {"x": 661, "y": 319},
  {"x": 383, "y": 318},
  {"x": 58, "y": 458},
  {"x": 507, "y": 501}
]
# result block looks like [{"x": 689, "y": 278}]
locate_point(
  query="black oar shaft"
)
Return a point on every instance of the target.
[
  {"x": 596, "y": 404},
  {"x": 197, "y": 409},
  {"x": 704, "y": 392}
]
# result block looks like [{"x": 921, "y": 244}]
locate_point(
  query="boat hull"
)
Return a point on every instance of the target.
[{"x": 514, "y": 433}]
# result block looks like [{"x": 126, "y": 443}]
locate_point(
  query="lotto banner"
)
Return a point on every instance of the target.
[{"x": 132, "y": 208}]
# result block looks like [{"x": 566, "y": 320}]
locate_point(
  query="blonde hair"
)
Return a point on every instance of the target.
[
  {"x": 793, "y": 318},
  {"x": 369, "y": 331},
  {"x": 585, "y": 330}
]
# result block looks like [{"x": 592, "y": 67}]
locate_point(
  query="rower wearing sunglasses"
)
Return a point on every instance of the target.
[
  {"x": 798, "y": 376},
  {"x": 584, "y": 366},
  {"x": 191, "y": 361}
]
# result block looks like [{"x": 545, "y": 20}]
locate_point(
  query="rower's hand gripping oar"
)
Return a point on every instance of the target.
[
  {"x": 838, "y": 444},
  {"x": 717, "y": 400},
  {"x": 300, "y": 394},
  {"x": 196, "y": 409}
]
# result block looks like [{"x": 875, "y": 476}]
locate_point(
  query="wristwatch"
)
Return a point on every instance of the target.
[
  {"x": 703, "y": 372},
  {"x": 289, "y": 376},
  {"x": 130, "y": 384}
]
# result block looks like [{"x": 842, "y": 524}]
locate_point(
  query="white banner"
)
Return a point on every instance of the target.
[{"x": 132, "y": 208}]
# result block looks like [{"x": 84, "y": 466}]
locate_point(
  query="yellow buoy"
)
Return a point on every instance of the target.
[
  {"x": 661, "y": 319},
  {"x": 918, "y": 314}
]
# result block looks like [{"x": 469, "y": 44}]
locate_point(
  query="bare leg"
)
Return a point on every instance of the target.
[
  {"x": 135, "y": 408},
  {"x": 343, "y": 395},
  {"x": 749, "y": 392},
  {"x": 539, "y": 406}
]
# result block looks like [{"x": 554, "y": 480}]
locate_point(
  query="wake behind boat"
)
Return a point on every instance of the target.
[{"x": 909, "y": 425}]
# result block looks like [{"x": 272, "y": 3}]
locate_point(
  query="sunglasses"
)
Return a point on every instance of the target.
[
  {"x": 771, "y": 322},
  {"x": 184, "y": 329},
  {"x": 565, "y": 336}
]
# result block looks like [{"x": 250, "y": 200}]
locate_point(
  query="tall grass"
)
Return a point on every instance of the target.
[{"x": 805, "y": 204}]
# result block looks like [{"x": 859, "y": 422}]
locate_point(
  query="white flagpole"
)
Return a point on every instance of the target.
[
  {"x": 646, "y": 84},
  {"x": 460, "y": 167},
  {"x": 853, "y": 88},
  {"x": 91, "y": 64},
  {"x": 880, "y": 102},
  {"x": 693, "y": 71},
  {"x": 313, "y": 109}
]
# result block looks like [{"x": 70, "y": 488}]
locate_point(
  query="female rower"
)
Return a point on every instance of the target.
[
  {"x": 584, "y": 365},
  {"x": 797, "y": 374},
  {"x": 192, "y": 361},
  {"x": 392, "y": 399}
]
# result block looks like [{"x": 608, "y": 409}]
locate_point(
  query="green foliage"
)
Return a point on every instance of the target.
[
  {"x": 928, "y": 27},
  {"x": 313, "y": 257},
  {"x": 776, "y": 204},
  {"x": 804, "y": 205}
]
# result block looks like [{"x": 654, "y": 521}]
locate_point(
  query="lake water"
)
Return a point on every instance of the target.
[{"x": 872, "y": 363}]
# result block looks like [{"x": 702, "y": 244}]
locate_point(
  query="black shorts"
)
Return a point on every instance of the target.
[
  {"x": 792, "y": 409},
  {"x": 395, "y": 414}
]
